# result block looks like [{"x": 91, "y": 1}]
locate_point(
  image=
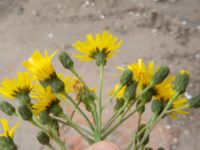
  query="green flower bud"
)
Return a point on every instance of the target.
[
  {"x": 194, "y": 102},
  {"x": 53, "y": 125},
  {"x": 7, "y": 143},
  {"x": 147, "y": 96},
  {"x": 181, "y": 81},
  {"x": 24, "y": 98},
  {"x": 141, "y": 109},
  {"x": 7, "y": 108},
  {"x": 148, "y": 148},
  {"x": 56, "y": 110},
  {"x": 44, "y": 117},
  {"x": 160, "y": 148},
  {"x": 126, "y": 77},
  {"x": 57, "y": 85},
  {"x": 119, "y": 104},
  {"x": 86, "y": 96},
  {"x": 100, "y": 59},
  {"x": 25, "y": 112},
  {"x": 130, "y": 91},
  {"x": 66, "y": 60},
  {"x": 157, "y": 107},
  {"x": 43, "y": 138},
  {"x": 160, "y": 74}
]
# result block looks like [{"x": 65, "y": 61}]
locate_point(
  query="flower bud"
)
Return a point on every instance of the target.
[
  {"x": 160, "y": 74},
  {"x": 194, "y": 102},
  {"x": 56, "y": 110},
  {"x": 100, "y": 59},
  {"x": 141, "y": 109},
  {"x": 24, "y": 98},
  {"x": 130, "y": 91},
  {"x": 119, "y": 104},
  {"x": 7, "y": 143},
  {"x": 7, "y": 108},
  {"x": 157, "y": 107},
  {"x": 181, "y": 81},
  {"x": 53, "y": 125},
  {"x": 147, "y": 96},
  {"x": 44, "y": 117},
  {"x": 160, "y": 148},
  {"x": 43, "y": 138},
  {"x": 25, "y": 112},
  {"x": 126, "y": 77},
  {"x": 86, "y": 96},
  {"x": 148, "y": 148},
  {"x": 66, "y": 60},
  {"x": 57, "y": 85}
]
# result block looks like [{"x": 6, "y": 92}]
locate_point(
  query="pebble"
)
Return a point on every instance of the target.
[
  {"x": 168, "y": 127},
  {"x": 198, "y": 27},
  {"x": 35, "y": 13},
  {"x": 102, "y": 16},
  {"x": 184, "y": 22},
  {"x": 50, "y": 35},
  {"x": 197, "y": 56},
  {"x": 175, "y": 140},
  {"x": 87, "y": 3},
  {"x": 187, "y": 95}
]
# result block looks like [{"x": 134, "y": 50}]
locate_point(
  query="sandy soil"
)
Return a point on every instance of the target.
[{"x": 166, "y": 31}]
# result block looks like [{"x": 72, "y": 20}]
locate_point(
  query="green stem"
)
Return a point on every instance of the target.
[
  {"x": 99, "y": 123},
  {"x": 78, "y": 129},
  {"x": 79, "y": 109},
  {"x": 155, "y": 121}
]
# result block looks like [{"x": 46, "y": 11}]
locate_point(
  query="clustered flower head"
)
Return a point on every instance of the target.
[{"x": 44, "y": 95}]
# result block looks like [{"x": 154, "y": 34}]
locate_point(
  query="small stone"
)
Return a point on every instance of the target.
[
  {"x": 175, "y": 140},
  {"x": 184, "y": 22},
  {"x": 198, "y": 27},
  {"x": 187, "y": 95},
  {"x": 197, "y": 56},
  {"x": 168, "y": 127},
  {"x": 102, "y": 16},
  {"x": 50, "y": 35},
  {"x": 35, "y": 13},
  {"x": 87, "y": 3}
]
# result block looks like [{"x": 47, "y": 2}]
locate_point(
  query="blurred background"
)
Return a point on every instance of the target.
[{"x": 166, "y": 31}]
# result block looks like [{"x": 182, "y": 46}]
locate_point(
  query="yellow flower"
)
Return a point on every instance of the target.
[
  {"x": 7, "y": 131},
  {"x": 44, "y": 99},
  {"x": 107, "y": 44},
  {"x": 68, "y": 82},
  {"x": 120, "y": 94},
  {"x": 178, "y": 104},
  {"x": 40, "y": 66},
  {"x": 164, "y": 90},
  {"x": 141, "y": 73},
  {"x": 10, "y": 88}
]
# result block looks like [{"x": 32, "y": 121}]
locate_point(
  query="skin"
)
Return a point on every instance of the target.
[{"x": 104, "y": 145}]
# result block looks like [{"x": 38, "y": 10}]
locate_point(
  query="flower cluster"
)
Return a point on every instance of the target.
[{"x": 42, "y": 93}]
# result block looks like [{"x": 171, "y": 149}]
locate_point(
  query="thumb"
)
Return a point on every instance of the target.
[{"x": 103, "y": 146}]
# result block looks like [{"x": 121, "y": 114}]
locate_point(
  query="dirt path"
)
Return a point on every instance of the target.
[{"x": 167, "y": 31}]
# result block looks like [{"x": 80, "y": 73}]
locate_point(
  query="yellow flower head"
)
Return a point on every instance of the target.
[
  {"x": 120, "y": 94},
  {"x": 78, "y": 88},
  {"x": 141, "y": 73},
  {"x": 106, "y": 43},
  {"x": 10, "y": 88},
  {"x": 164, "y": 90},
  {"x": 184, "y": 72},
  {"x": 44, "y": 99},
  {"x": 7, "y": 131},
  {"x": 68, "y": 82},
  {"x": 39, "y": 65},
  {"x": 181, "y": 103}
]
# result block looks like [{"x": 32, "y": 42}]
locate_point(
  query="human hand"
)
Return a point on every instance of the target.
[{"x": 104, "y": 145}]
